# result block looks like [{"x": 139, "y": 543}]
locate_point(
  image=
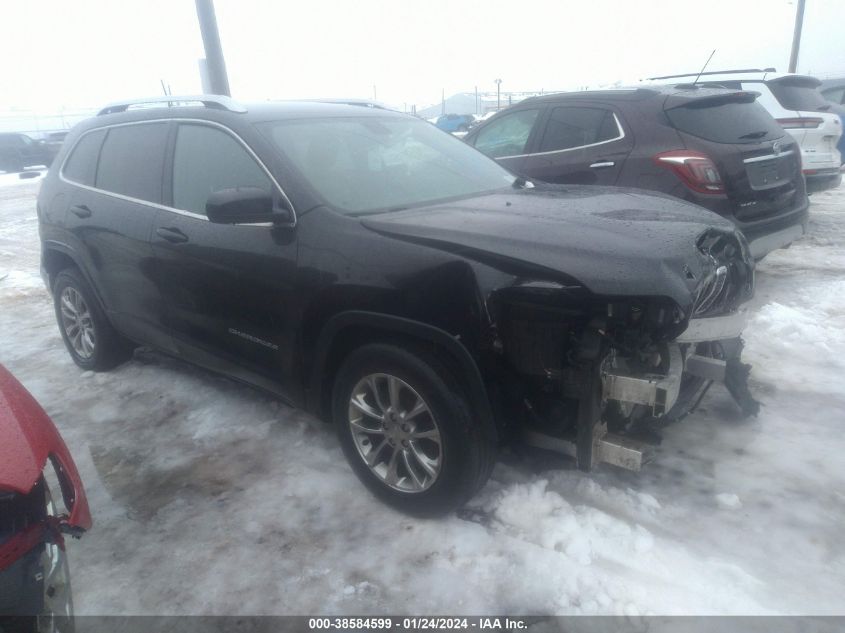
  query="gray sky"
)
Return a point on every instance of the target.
[{"x": 72, "y": 53}]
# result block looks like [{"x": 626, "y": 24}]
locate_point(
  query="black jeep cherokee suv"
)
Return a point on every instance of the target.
[{"x": 387, "y": 276}]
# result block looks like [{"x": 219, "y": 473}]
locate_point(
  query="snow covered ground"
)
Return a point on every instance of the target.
[{"x": 210, "y": 497}]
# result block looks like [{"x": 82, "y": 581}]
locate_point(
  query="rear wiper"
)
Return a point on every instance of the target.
[
  {"x": 759, "y": 134},
  {"x": 823, "y": 108}
]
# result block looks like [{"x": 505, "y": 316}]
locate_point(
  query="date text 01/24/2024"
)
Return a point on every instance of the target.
[{"x": 417, "y": 623}]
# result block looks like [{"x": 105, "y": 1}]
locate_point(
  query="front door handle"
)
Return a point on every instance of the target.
[
  {"x": 602, "y": 164},
  {"x": 81, "y": 211},
  {"x": 171, "y": 234}
]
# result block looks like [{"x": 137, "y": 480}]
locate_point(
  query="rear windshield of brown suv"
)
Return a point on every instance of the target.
[{"x": 725, "y": 121}]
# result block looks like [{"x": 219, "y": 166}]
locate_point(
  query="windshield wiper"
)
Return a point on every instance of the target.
[{"x": 759, "y": 134}]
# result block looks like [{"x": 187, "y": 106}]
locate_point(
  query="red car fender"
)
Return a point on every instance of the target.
[{"x": 28, "y": 438}]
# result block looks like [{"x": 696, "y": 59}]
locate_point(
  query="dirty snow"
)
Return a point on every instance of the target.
[{"x": 212, "y": 498}]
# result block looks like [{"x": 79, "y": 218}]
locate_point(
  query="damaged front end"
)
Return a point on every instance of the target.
[{"x": 596, "y": 377}]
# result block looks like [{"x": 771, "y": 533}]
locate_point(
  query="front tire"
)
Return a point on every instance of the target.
[
  {"x": 407, "y": 432},
  {"x": 90, "y": 339}
]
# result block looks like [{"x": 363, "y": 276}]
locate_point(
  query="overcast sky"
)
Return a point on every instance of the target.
[{"x": 72, "y": 53}]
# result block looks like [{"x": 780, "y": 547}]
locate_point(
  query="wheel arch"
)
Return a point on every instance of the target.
[
  {"x": 56, "y": 257},
  {"x": 349, "y": 330}
]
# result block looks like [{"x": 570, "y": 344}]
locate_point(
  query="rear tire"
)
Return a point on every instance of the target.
[
  {"x": 91, "y": 341},
  {"x": 426, "y": 463}
]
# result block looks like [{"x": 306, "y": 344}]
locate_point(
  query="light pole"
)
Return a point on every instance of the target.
[
  {"x": 796, "y": 37},
  {"x": 217, "y": 78},
  {"x": 498, "y": 94}
]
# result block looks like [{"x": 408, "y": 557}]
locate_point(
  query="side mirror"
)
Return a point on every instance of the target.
[{"x": 245, "y": 205}]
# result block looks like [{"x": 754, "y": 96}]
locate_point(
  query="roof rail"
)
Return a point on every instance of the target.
[
  {"x": 718, "y": 72},
  {"x": 217, "y": 102},
  {"x": 364, "y": 103}
]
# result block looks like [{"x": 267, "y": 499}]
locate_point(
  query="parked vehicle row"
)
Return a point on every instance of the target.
[
  {"x": 390, "y": 278},
  {"x": 800, "y": 108},
  {"x": 716, "y": 148},
  {"x": 714, "y": 142},
  {"x": 19, "y": 151}
]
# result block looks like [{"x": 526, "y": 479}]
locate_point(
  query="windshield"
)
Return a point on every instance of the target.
[
  {"x": 725, "y": 121},
  {"x": 366, "y": 164}
]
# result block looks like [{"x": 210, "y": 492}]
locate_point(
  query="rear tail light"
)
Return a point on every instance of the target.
[
  {"x": 800, "y": 123},
  {"x": 695, "y": 169}
]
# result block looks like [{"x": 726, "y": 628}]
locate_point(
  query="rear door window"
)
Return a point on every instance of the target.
[
  {"x": 507, "y": 135},
  {"x": 81, "y": 166},
  {"x": 206, "y": 160},
  {"x": 132, "y": 161},
  {"x": 570, "y": 127},
  {"x": 725, "y": 121}
]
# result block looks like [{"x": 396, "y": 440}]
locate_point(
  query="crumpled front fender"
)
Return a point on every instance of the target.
[{"x": 28, "y": 438}]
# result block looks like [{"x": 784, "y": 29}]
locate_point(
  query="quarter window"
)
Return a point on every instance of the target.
[
  {"x": 507, "y": 135},
  {"x": 837, "y": 95},
  {"x": 796, "y": 93},
  {"x": 571, "y": 127},
  {"x": 206, "y": 160},
  {"x": 132, "y": 160},
  {"x": 81, "y": 166}
]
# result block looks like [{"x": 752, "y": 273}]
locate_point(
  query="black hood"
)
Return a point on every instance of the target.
[{"x": 614, "y": 241}]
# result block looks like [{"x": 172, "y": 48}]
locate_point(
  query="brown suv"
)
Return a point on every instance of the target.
[{"x": 716, "y": 148}]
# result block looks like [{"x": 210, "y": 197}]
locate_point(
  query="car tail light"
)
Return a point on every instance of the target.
[
  {"x": 800, "y": 123},
  {"x": 695, "y": 169}
]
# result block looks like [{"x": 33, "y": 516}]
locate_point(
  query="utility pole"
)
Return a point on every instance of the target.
[
  {"x": 796, "y": 37},
  {"x": 498, "y": 94},
  {"x": 476, "y": 100},
  {"x": 217, "y": 78},
  {"x": 442, "y": 101}
]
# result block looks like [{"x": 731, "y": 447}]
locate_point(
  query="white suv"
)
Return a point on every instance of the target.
[{"x": 796, "y": 103}]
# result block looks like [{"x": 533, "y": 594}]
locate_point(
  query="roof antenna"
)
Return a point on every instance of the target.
[{"x": 701, "y": 72}]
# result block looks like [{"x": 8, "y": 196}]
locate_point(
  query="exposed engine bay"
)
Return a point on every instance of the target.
[{"x": 593, "y": 383}]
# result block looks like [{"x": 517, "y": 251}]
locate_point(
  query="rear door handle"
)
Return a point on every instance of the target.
[
  {"x": 602, "y": 164},
  {"x": 171, "y": 234},
  {"x": 81, "y": 211}
]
